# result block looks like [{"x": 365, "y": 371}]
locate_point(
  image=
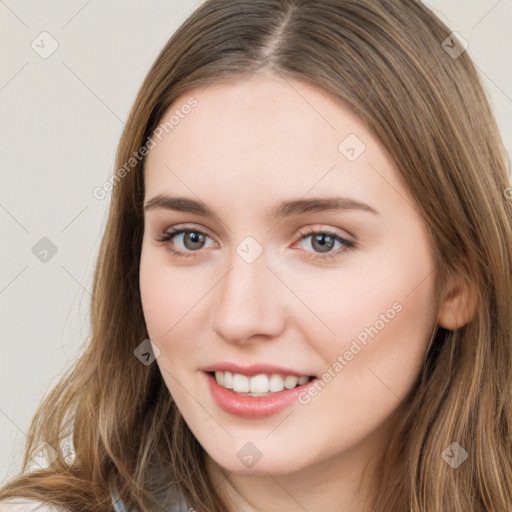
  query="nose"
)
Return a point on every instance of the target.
[{"x": 249, "y": 302}]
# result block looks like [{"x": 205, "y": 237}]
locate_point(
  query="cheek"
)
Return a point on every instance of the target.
[
  {"x": 372, "y": 363},
  {"x": 154, "y": 293},
  {"x": 381, "y": 314},
  {"x": 174, "y": 304},
  {"x": 379, "y": 351},
  {"x": 162, "y": 289},
  {"x": 165, "y": 303},
  {"x": 162, "y": 298}
]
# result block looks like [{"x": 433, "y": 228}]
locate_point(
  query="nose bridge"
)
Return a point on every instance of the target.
[{"x": 247, "y": 303}]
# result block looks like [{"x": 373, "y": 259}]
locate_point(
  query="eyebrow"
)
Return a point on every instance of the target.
[{"x": 284, "y": 209}]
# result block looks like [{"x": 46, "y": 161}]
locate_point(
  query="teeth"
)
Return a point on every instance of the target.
[
  {"x": 290, "y": 381},
  {"x": 219, "y": 377},
  {"x": 258, "y": 385},
  {"x": 276, "y": 383},
  {"x": 228, "y": 379},
  {"x": 240, "y": 383}
]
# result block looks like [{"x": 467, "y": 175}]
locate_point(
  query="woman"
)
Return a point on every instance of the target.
[{"x": 302, "y": 296}]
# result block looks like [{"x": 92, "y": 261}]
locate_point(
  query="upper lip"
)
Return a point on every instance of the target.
[{"x": 253, "y": 369}]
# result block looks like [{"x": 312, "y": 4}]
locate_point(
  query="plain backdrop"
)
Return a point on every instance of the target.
[{"x": 60, "y": 122}]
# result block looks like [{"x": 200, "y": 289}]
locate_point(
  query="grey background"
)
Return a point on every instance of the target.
[{"x": 61, "y": 119}]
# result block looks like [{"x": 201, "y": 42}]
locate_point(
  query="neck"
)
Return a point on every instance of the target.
[{"x": 340, "y": 483}]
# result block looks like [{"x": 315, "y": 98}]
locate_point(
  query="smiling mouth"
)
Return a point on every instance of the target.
[{"x": 258, "y": 385}]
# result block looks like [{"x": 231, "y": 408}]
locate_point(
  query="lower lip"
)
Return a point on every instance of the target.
[{"x": 253, "y": 406}]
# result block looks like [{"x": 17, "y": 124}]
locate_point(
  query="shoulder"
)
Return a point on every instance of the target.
[{"x": 26, "y": 505}]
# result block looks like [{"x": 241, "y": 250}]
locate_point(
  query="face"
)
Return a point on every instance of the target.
[{"x": 335, "y": 299}]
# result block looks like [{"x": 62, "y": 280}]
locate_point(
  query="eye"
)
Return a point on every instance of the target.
[
  {"x": 324, "y": 240},
  {"x": 193, "y": 240}
]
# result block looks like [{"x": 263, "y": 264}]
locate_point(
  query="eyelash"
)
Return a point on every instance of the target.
[{"x": 169, "y": 235}]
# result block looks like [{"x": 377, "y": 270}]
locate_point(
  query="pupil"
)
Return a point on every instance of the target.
[
  {"x": 324, "y": 246},
  {"x": 194, "y": 237}
]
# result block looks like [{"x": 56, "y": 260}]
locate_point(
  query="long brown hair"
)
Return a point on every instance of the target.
[{"x": 388, "y": 62}]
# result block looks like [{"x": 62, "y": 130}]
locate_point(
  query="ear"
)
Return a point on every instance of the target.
[{"x": 458, "y": 304}]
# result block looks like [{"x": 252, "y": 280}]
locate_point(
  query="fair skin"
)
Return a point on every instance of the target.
[{"x": 247, "y": 146}]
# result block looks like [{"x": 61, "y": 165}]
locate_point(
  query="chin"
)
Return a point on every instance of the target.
[{"x": 273, "y": 463}]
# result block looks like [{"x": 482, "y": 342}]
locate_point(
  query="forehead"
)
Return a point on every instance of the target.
[
  {"x": 263, "y": 137},
  {"x": 244, "y": 113}
]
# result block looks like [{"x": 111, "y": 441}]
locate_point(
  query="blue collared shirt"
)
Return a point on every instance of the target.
[{"x": 179, "y": 506}]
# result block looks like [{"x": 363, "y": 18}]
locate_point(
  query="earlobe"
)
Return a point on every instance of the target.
[{"x": 458, "y": 306}]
